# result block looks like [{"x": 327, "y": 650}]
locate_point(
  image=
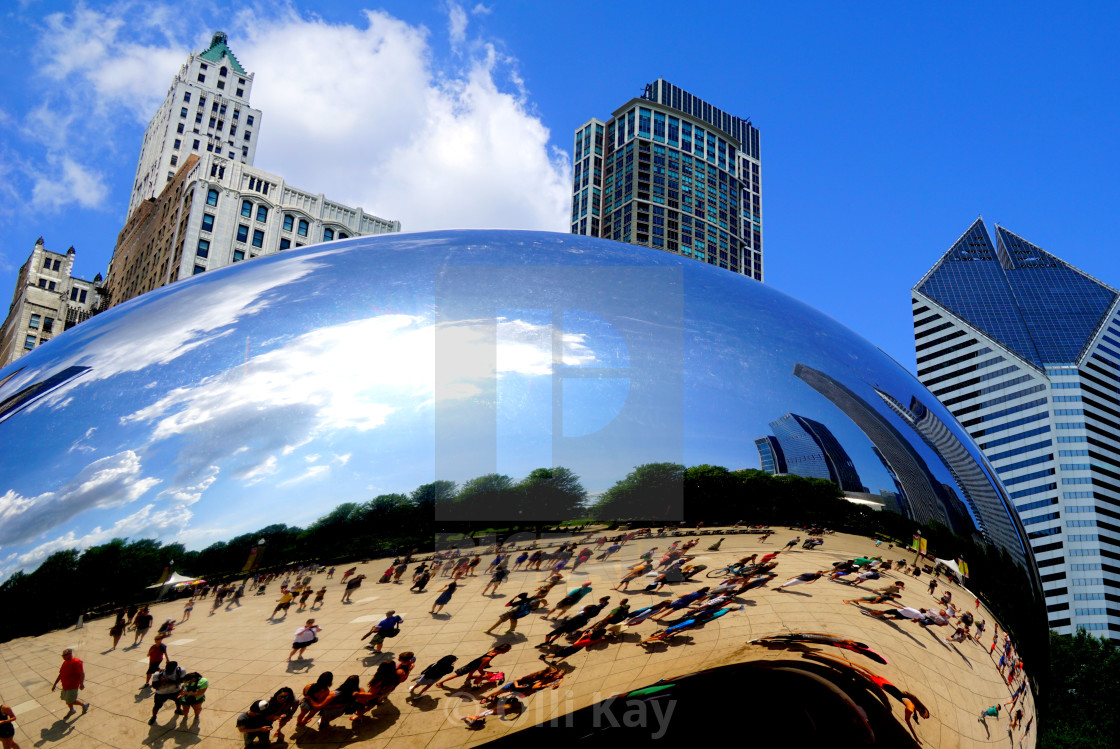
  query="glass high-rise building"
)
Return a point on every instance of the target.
[
  {"x": 808, "y": 448},
  {"x": 668, "y": 170},
  {"x": 1024, "y": 349}
]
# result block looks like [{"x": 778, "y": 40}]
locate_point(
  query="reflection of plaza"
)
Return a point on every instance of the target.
[{"x": 243, "y": 657}]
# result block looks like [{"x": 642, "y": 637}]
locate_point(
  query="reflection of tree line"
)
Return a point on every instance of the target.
[{"x": 119, "y": 571}]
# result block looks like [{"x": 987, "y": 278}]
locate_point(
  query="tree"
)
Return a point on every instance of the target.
[
  {"x": 652, "y": 491},
  {"x": 1078, "y": 708},
  {"x": 549, "y": 494},
  {"x": 488, "y": 497}
]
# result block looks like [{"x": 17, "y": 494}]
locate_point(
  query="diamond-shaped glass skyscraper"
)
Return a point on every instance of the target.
[{"x": 1024, "y": 349}]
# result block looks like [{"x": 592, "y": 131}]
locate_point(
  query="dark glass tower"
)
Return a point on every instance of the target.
[
  {"x": 811, "y": 450},
  {"x": 668, "y": 170}
]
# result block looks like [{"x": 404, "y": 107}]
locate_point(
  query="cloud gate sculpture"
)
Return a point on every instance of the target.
[{"x": 274, "y": 391}]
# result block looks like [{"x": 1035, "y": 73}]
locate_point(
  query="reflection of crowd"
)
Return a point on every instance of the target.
[{"x": 581, "y": 622}]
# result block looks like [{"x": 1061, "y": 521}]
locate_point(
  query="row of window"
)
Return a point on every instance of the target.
[
  {"x": 31, "y": 341},
  {"x": 290, "y": 223},
  {"x": 51, "y": 263}
]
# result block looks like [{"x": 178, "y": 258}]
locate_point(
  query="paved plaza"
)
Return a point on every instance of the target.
[{"x": 243, "y": 655}]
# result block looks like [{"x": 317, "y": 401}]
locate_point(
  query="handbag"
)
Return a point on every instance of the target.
[{"x": 391, "y": 632}]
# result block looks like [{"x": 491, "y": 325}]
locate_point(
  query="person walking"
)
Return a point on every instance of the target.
[
  {"x": 444, "y": 597},
  {"x": 518, "y": 608},
  {"x": 501, "y": 574},
  {"x": 431, "y": 675},
  {"x": 351, "y": 586},
  {"x": 117, "y": 630},
  {"x": 387, "y": 627},
  {"x": 476, "y": 666},
  {"x": 421, "y": 581},
  {"x": 398, "y": 572},
  {"x": 793, "y": 542},
  {"x": 142, "y": 623},
  {"x": 572, "y": 624},
  {"x": 283, "y": 603},
  {"x": 193, "y": 694},
  {"x": 319, "y": 596},
  {"x": 7, "y": 728},
  {"x": 187, "y": 610},
  {"x": 305, "y": 637},
  {"x": 307, "y": 591},
  {"x": 72, "y": 676},
  {"x": 521, "y": 559},
  {"x": 635, "y": 572},
  {"x": 157, "y": 655},
  {"x": 167, "y": 684}
]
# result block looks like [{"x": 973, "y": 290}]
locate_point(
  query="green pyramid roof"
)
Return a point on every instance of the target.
[{"x": 218, "y": 50}]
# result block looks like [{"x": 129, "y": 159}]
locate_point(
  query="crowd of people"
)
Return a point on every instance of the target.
[{"x": 580, "y": 619}]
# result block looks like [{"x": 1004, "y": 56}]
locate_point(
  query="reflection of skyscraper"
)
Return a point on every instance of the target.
[
  {"x": 915, "y": 482},
  {"x": 771, "y": 456},
  {"x": 1024, "y": 349},
  {"x": 990, "y": 510},
  {"x": 811, "y": 450}
]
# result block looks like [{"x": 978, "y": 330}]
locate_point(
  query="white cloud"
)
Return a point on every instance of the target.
[
  {"x": 456, "y": 24},
  {"x": 68, "y": 182},
  {"x": 481, "y": 10},
  {"x": 433, "y": 149}
]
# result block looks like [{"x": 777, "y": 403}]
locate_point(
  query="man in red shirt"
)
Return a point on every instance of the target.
[{"x": 73, "y": 677}]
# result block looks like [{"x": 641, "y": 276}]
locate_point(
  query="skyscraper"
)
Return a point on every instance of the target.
[
  {"x": 1024, "y": 349},
  {"x": 208, "y": 103},
  {"x": 668, "y": 170},
  {"x": 809, "y": 449},
  {"x": 198, "y": 202}
]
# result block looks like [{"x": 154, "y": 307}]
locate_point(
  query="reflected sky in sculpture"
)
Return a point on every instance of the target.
[{"x": 273, "y": 390}]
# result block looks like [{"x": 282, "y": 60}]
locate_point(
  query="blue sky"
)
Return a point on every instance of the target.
[{"x": 885, "y": 131}]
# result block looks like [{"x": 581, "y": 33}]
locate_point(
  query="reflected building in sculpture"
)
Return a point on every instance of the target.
[
  {"x": 1024, "y": 349},
  {"x": 806, "y": 447}
]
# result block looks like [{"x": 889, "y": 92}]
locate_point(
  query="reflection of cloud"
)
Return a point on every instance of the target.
[
  {"x": 336, "y": 378},
  {"x": 108, "y": 482},
  {"x": 144, "y": 523},
  {"x": 311, "y": 473},
  {"x": 79, "y": 444},
  {"x": 162, "y": 332}
]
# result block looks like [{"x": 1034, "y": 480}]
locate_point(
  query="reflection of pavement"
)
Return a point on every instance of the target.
[{"x": 243, "y": 655}]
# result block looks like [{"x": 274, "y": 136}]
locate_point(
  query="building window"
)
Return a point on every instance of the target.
[
  {"x": 343, "y": 235},
  {"x": 33, "y": 323},
  {"x": 48, "y": 324},
  {"x": 195, "y": 146},
  {"x": 174, "y": 160},
  {"x": 238, "y": 255},
  {"x": 203, "y": 248},
  {"x": 289, "y": 221},
  {"x": 262, "y": 213},
  {"x": 302, "y": 227},
  {"x": 233, "y": 130},
  {"x": 179, "y": 128},
  {"x": 50, "y": 285},
  {"x": 183, "y": 112},
  {"x": 29, "y": 342},
  {"x": 207, "y": 222},
  {"x": 240, "y": 92},
  {"x": 242, "y": 233},
  {"x": 244, "y": 150},
  {"x": 236, "y": 113},
  {"x": 212, "y": 197},
  {"x": 246, "y": 208},
  {"x": 285, "y": 244},
  {"x": 198, "y": 269},
  {"x": 210, "y": 147},
  {"x": 248, "y": 134},
  {"x": 328, "y": 235},
  {"x": 82, "y": 297},
  {"x": 249, "y": 120},
  {"x": 202, "y": 78},
  {"x": 187, "y": 96},
  {"x": 177, "y": 144},
  {"x": 258, "y": 238},
  {"x": 221, "y": 84}
]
